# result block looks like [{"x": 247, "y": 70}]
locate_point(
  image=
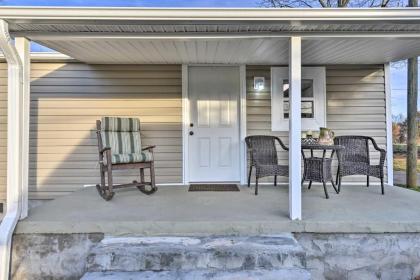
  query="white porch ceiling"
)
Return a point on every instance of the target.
[{"x": 235, "y": 51}]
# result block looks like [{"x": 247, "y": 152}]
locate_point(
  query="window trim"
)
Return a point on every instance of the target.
[{"x": 318, "y": 75}]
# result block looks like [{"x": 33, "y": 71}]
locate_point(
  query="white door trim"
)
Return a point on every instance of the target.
[{"x": 186, "y": 121}]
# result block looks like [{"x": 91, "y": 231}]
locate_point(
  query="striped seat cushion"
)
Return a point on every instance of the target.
[{"x": 131, "y": 158}]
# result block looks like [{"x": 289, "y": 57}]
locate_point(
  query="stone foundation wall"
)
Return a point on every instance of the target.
[
  {"x": 51, "y": 256},
  {"x": 328, "y": 256},
  {"x": 362, "y": 256}
]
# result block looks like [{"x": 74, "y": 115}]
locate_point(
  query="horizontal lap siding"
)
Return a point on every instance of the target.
[
  {"x": 355, "y": 105},
  {"x": 67, "y": 99}
]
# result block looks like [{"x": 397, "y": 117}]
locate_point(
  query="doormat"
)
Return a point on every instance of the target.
[{"x": 213, "y": 188}]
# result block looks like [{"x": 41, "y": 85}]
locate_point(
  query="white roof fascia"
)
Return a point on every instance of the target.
[
  {"x": 75, "y": 36},
  {"x": 26, "y": 14}
]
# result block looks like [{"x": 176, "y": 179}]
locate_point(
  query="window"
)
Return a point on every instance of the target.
[
  {"x": 313, "y": 107},
  {"x": 307, "y": 106}
]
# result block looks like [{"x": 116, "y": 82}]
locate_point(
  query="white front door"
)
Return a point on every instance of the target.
[{"x": 213, "y": 93}]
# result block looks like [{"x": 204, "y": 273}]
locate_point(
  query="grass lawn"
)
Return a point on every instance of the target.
[{"x": 400, "y": 163}]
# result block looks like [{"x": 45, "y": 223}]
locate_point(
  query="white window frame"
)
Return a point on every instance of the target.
[{"x": 278, "y": 75}]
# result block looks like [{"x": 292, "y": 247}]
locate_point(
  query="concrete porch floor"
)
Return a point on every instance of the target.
[{"x": 175, "y": 211}]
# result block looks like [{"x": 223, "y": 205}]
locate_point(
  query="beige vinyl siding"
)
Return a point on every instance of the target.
[
  {"x": 3, "y": 129},
  {"x": 67, "y": 99},
  {"x": 355, "y": 105}
]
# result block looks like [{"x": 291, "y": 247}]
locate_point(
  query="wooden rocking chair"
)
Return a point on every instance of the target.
[{"x": 119, "y": 145}]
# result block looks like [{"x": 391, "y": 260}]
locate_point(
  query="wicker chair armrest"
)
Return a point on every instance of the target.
[
  {"x": 149, "y": 148},
  {"x": 104, "y": 150},
  {"x": 374, "y": 144},
  {"x": 380, "y": 150},
  {"x": 382, "y": 156},
  {"x": 282, "y": 144}
]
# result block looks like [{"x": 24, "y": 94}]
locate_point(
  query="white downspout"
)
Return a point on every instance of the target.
[{"x": 14, "y": 148}]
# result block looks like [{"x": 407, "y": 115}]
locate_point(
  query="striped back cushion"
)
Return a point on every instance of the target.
[
  {"x": 120, "y": 124},
  {"x": 122, "y": 135}
]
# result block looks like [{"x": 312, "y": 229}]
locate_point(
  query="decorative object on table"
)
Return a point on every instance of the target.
[
  {"x": 318, "y": 169},
  {"x": 119, "y": 145},
  {"x": 263, "y": 155},
  {"x": 309, "y": 141},
  {"x": 326, "y": 136},
  {"x": 355, "y": 159}
]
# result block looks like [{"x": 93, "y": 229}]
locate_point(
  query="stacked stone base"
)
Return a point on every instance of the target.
[
  {"x": 270, "y": 257},
  {"x": 257, "y": 274},
  {"x": 284, "y": 256}
]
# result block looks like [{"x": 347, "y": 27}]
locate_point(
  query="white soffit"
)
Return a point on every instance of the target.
[
  {"x": 358, "y": 50},
  {"x": 272, "y": 51},
  {"x": 253, "y": 36},
  {"x": 132, "y": 51}
]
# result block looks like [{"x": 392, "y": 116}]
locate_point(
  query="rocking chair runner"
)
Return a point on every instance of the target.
[{"x": 119, "y": 145}]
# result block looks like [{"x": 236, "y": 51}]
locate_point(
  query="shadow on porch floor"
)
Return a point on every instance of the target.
[{"x": 174, "y": 210}]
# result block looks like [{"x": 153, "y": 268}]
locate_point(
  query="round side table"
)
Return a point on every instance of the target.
[{"x": 318, "y": 169}]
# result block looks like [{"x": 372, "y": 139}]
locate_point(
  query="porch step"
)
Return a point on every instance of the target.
[
  {"x": 134, "y": 254},
  {"x": 260, "y": 274}
]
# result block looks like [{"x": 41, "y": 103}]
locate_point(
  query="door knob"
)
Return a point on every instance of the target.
[
  {"x": 191, "y": 133},
  {"x": 191, "y": 124}
]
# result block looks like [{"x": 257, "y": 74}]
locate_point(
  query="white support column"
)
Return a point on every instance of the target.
[
  {"x": 389, "y": 148},
  {"x": 23, "y": 49},
  {"x": 295, "y": 77},
  {"x": 14, "y": 147}
]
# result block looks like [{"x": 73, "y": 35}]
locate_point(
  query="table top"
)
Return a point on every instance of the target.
[{"x": 322, "y": 147}]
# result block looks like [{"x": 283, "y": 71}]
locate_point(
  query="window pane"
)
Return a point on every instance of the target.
[
  {"x": 307, "y": 106},
  {"x": 307, "y": 109},
  {"x": 307, "y": 88}
]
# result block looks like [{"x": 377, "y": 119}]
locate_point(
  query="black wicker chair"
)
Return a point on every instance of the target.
[
  {"x": 354, "y": 159},
  {"x": 263, "y": 155}
]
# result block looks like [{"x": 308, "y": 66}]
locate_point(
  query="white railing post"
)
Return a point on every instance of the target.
[
  {"x": 295, "y": 77},
  {"x": 23, "y": 49},
  {"x": 389, "y": 147}
]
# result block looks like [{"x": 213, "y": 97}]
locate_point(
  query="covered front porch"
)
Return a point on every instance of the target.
[
  {"x": 134, "y": 62},
  {"x": 58, "y": 113},
  {"x": 175, "y": 211}
]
